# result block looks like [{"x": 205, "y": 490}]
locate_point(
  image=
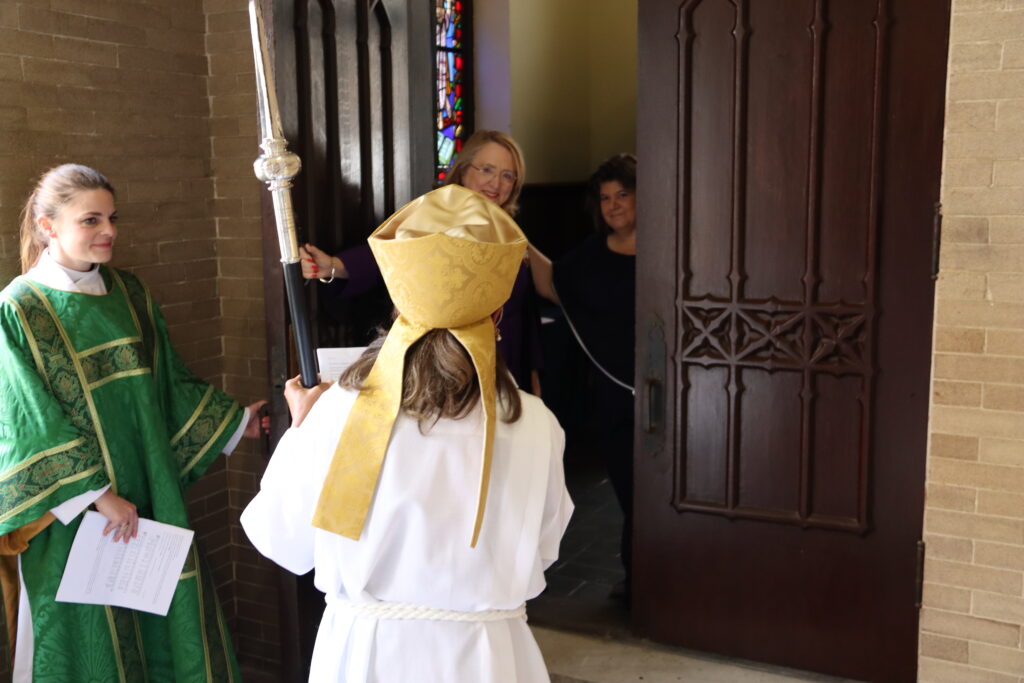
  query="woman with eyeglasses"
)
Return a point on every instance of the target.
[{"x": 490, "y": 163}]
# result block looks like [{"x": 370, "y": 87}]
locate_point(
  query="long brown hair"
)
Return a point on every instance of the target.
[
  {"x": 439, "y": 379},
  {"x": 468, "y": 153},
  {"x": 55, "y": 188}
]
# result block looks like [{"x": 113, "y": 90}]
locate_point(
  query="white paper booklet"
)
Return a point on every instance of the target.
[
  {"x": 141, "y": 574},
  {"x": 333, "y": 361}
]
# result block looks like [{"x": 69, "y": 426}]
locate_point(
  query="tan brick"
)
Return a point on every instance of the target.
[
  {"x": 1004, "y": 342},
  {"x": 988, "y": 26},
  {"x": 228, "y": 22},
  {"x": 985, "y": 201},
  {"x": 978, "y": 368},
  {"x": 1007, "y": 229},
  {"x": 24, "y": 43},
  {"x": 1013, "y": 54},
  {"x": 959, "y": 340},
  {"x": 948, "y": 497},
  {"x": 972, "y": 628},
  {"x": 961, "y": 284},
  {"x": 949, "y": 548},
  {"x": 231, "y": 63},
  {"x": 961, "y": 6},
  {"x": 10, "y": 69},
  {"x": 984, "y": 258},
  {"x": 978, "y": 527},
  {"x": 161, "y": 60},
  {"x": 62, "y": 121},
  {"x": 1001, "y": 503},
  {"x": 954, "y": 446},
  {"x": 136, "y": 14},
  {"x": 1000, "y": 555},
  {"x": 967, "y": 313},
  {"x": 1006, "y": 287},
  {"x": 1004, "y": 397},
  {"x": 969, "y": 117},
  {"x": 978, "y": 422},
  {"x": 941, "y": 647},
  {"x": 8, "y": 15},
  {"x": 1002, "y": 452},
  {"x": 85, "y": 51},
  {"x": 938, "y": 671},
  {"x": 1003, "y": 659},
  {"x": 221, "y": 43},
  {"x": 946, "y": 598},
  {"x": 173, "y": 40},
  {"x": 969, "y": 173},
  {"x": 976, "y": 57},
  {"x": 979, "y": 475},
  {"x": 1010, "y": 116}
]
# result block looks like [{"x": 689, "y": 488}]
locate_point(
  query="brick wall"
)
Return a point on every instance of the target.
[
  {"x": 972, "y": 621},
  {"x": 236, "y": 209},
  {"x": 158, "y": 94}
]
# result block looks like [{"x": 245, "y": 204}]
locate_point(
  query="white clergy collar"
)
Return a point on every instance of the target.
[{"x": 52, "y": 274}]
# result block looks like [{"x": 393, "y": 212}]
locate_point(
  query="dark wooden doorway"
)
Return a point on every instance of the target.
[
  {"x": 355, "y": 85},
  {"x": 790, "y": 156}
]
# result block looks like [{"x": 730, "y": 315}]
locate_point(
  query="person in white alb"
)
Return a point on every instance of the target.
[{"x": 425, "y": 489}]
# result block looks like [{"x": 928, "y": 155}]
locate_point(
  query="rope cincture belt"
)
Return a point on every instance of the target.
[{"x": 404, "y": 610}]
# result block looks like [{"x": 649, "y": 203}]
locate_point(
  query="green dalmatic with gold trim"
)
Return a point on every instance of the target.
[{"x": 92, "y": 393}]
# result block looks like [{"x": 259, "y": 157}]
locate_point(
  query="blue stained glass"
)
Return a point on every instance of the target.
[{"x": 448, "y": 41}]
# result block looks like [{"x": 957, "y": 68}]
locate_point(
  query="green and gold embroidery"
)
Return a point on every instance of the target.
[
  {"x": 68, "y": 376},
  {"x": 141, "y": 305},
  {"x": 103, "y": 364}
]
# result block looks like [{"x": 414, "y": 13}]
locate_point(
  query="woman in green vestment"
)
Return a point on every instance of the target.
[{"x": 96, "y": 408}]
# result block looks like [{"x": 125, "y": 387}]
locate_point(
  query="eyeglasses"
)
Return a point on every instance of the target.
[{"x": 489, "y": 172}]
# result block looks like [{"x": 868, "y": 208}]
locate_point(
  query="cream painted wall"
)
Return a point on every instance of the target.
[
  {"x": 561, "y": 78},
  {"x": 612, "y": 96}
]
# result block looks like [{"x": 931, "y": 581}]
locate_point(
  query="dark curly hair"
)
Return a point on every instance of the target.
[{"x": 621, "y": 167}]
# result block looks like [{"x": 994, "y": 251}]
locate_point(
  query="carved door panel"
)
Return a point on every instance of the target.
[
  {"x": 790, "y": 155},
  {"x": 354, "y": 82}
]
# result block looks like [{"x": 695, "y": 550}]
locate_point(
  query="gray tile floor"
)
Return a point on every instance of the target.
[{"x": 589, "y": 565}]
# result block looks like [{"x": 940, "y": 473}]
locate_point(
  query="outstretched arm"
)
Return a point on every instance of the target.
[{"x": 542, "y": 272}]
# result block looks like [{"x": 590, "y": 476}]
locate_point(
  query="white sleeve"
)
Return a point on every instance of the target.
[
  {"x": 237, "y": 436},
  {"x": 278, "y": 521},
  {"x": 72, "y": 507},
  {"x": 558, "y": 505}
]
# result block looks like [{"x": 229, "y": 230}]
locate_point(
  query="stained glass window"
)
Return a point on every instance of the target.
[{"x": 450, "y": 42}]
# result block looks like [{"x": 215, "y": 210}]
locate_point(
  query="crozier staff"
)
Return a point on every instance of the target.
[
  {"x": 425, "y": 490},
  {"x": 96, "y": 408}
]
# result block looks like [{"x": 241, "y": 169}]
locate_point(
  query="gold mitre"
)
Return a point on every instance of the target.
[{"x": 449, "y": 259}]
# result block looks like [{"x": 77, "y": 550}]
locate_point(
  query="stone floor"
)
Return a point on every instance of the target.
[
  {"x": 575, "y": 658},
  {"x": 588, "y": 565}
]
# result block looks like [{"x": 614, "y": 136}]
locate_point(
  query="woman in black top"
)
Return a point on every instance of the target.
[{"x": 595, "y": 284}]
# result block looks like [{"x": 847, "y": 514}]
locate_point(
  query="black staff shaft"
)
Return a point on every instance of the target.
[{"x": 300, "y": 323}]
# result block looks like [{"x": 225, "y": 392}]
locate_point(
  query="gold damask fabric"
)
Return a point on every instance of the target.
[{"x": 449, "y": 259}]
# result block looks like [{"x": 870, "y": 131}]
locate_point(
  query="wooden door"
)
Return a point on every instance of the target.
[
  {"x": 355, "y": 85},
  {"x": 789, "y": 173}
]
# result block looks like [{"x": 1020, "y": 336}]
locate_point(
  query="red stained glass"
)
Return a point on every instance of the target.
[{"x": 458, "y": 62}]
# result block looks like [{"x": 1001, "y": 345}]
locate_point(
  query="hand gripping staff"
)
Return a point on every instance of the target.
[{"x": 276, "y": 167}]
